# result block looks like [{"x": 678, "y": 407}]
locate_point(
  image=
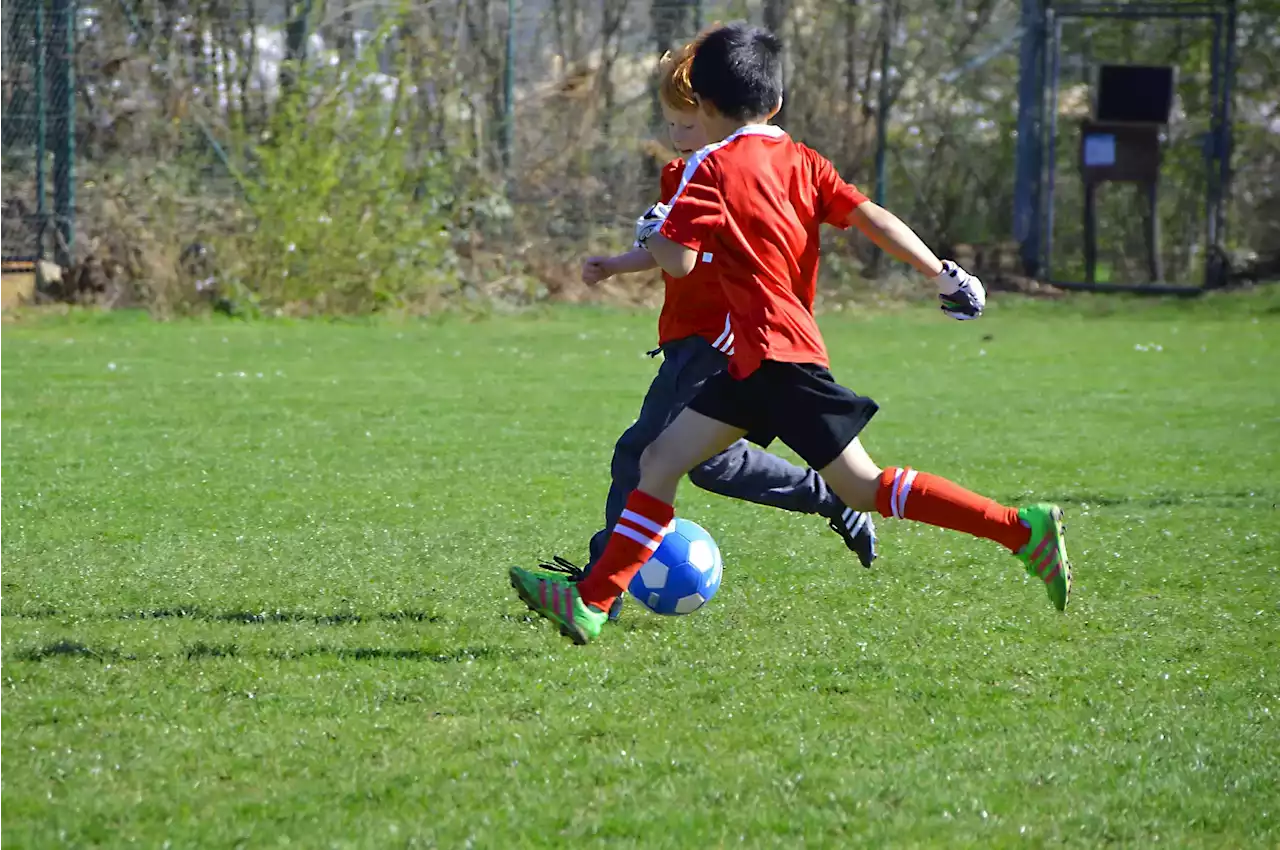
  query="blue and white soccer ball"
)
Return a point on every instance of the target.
[{"x": 682, "y": 575}]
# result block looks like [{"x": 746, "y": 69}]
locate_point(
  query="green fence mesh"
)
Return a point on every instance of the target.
[{"x": 39, "y": 129}]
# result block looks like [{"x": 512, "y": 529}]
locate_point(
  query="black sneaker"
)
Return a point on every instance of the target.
[
  {"x": 577, "y": 574},
  {"x": 858, "y": 532}
]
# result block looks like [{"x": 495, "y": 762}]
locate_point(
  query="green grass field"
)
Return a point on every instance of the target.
[{"x": 255, "y": 593}]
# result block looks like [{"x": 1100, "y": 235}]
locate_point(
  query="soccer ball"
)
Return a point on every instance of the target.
[{"x": 682, "y": 575}]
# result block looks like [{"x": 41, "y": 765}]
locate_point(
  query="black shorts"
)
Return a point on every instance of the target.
[{"x": 797, "y": 403}]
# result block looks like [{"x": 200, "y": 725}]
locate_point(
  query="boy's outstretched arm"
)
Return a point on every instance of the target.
[
  {"x": 962, "y": 295},
  {"x": 596, "y": 269},
  {"x": 895, "y": 238}
]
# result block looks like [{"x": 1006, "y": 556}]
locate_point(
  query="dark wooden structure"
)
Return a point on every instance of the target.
[{"x": 1121, "y": 144}]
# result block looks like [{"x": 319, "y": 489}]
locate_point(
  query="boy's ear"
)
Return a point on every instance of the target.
[
  {"x": 705, "y": 106},
  {"x": 775, "y": 110}
]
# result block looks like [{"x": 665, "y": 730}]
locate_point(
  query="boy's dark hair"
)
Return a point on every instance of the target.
[{"x": 738, "y": 68}]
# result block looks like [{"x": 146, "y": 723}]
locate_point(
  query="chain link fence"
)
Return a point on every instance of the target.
[{"x": 39, "y": 130}]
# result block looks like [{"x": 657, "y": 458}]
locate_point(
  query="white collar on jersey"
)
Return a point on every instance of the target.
[
  {"x": 759, "y": 130},
  {"x": 769, "y": 130},
  {"x": 691, "y": 165},
  {"x": 694, "y": 161}
]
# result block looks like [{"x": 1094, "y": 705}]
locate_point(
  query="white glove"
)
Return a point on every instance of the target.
[
  {"x": 651, "y": 222},
  {"x": 962, "y": 295}
]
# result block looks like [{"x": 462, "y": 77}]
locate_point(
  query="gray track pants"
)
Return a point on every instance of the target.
[{"x": 741, "y": 471}]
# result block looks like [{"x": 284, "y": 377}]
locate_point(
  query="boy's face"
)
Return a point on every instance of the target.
[{"x": 686, "y": 130}]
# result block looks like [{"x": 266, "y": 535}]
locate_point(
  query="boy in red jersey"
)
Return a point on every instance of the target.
[
  {"x": 695, "y": 340},
  {"x": 756, "y": 200}
]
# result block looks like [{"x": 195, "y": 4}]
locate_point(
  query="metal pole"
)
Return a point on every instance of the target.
[
  {"x": 1026, "y": 194},
  {"x": 1213, "y": 147},
  {"x": 1224, "y": 162},
  {"x": 1053, "y": 146},
  {"x": 41, "y": 129},
  {"x": 64, "y": 160},
  {"x": 882, "y": 112},
  {"x": 509, "y": 88},
  {"x": 882, "y": 117}
]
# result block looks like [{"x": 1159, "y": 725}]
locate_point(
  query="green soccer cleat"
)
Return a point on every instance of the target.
[
  {"x": 556, "y": 598},
  {"x": 577, "y": 574},
  {"x": 1045, "y": 554}
]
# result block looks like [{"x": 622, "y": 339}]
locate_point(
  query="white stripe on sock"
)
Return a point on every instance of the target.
[
  {"x": 893, "y": 494},
  {"x": 906, "y": 491},
  {"x": 627, "y": 531},
  {"x": 643, "y": 522}
]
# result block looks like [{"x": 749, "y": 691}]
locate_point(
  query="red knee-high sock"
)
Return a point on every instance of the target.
[
  {"x": 907, "y": 494},
  {"x": 634, "y": 539}
]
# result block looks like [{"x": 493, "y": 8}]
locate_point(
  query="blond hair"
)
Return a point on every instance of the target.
[{"x": 674, "y": 87}]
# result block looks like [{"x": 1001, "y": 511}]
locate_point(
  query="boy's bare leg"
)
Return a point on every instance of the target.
[
  {"x": 687, "y": 442},
  {"x": 907, "y": 494},
  {"x": 579, "y": 609},
  {"x": 856, "y": 477},
  {"x": 1035, "y": 534}
]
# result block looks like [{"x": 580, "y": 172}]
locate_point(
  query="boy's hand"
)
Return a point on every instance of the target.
[
  {"x": 962, "y": 295},
  {"x": 651, "y": 222},
  {"x": 596, "y": 269}
]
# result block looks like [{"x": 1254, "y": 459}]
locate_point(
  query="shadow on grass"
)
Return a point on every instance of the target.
[
  {"x": 201, "y": 650},
  {"x": 66, "y": 649},
  {"x": 344, "y": 618},
  {"x": 1162, "y": 500},
  {"x": 359, "y": 653}
]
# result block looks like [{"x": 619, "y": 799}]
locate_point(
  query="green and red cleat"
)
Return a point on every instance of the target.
[
  {"x": 1045, "y": 554},
  {"x": 556, "y": 598}
]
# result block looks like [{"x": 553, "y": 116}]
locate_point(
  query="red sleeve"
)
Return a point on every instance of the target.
[
  {"x": 697, "y": 209},
  {"x": 670, "y": 178},
  {"x": 836, "y": 198}
]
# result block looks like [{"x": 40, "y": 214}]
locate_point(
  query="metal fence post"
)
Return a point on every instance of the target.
[
  {"x": 509, "y": 89},
  {"x": 1029, "y": 146},
  {"x": 63, "y": 48},
  {"x": 41, "y": 126}
]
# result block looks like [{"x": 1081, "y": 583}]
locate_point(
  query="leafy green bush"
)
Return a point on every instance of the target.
[{"x": 352, "y": 213}]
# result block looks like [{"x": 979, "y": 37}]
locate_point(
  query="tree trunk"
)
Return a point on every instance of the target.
[
  {"x": 295, "y": 48},
  {"x": 775, "y": 18},
  {"x": 611, "y": 23},
  {"x": 668, "y": 20}
]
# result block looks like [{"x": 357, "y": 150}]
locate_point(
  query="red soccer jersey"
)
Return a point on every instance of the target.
[
  {"x": 693, "y": 305},
  {"x": 755, "y": 202}
]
